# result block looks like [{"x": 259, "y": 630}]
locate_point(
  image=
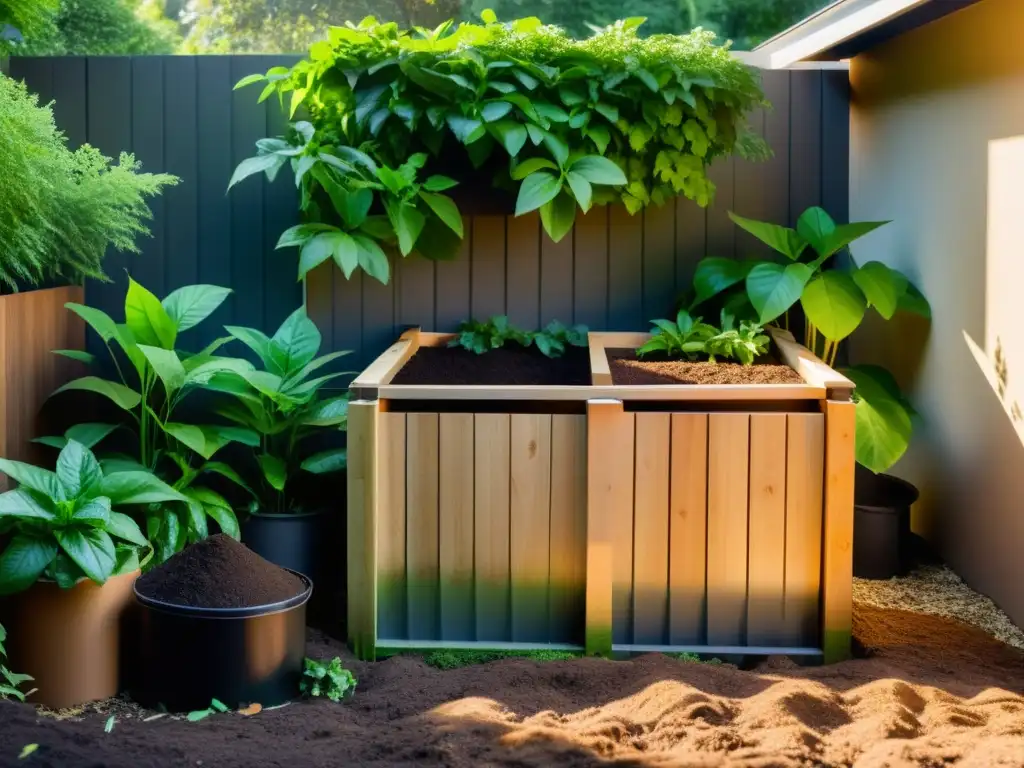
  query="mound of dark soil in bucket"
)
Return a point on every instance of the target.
[
  {"x": 509, "y": 365},
  {"x": 219, "y": 572}
]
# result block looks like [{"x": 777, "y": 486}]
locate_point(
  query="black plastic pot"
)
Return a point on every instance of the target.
[
  {"x": 296, "y": 542},
  {"x": 189, "y": 656},
  {"x": 882, "y": 542}
]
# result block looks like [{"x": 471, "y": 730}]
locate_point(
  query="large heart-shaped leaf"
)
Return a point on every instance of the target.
[
  {"x": 23, "y": 562},
  {"x": 882, "y": 286},
  {"x": 834, "y": 304},
  {"x": 883, "y": 422},
  {"x": 446, "y": 210},
  {"x": 786, "y": 241},
  {"x": 121, "y": 395},
  {"x": 78, "y": 470},
  {"x": 558, "y": 216},
  {"x": 599, "y": 170},
  {"x": 190, "y": 305},
  {"x": 714, "y": 275},
  {"x": 913, "y": 301},
  {"x": 91, "y": 550},
  {"x": 774, "y": 288},
  {"x": 815, "y": 226}
]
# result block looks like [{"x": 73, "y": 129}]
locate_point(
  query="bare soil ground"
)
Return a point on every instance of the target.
[{"x": 927, "y": 691}]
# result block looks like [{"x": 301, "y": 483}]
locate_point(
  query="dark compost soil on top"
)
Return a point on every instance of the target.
[
  {"x": 927, "y": 692},
  {"x": 626, "y": 368},
  {"x": 508, "y": 365},
  {"x": 219, "y": 572}
]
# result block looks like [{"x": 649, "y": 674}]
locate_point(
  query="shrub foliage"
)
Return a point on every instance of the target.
[
  {"x": 393, "y": 114},
  {"x": 60, "y": 209}
]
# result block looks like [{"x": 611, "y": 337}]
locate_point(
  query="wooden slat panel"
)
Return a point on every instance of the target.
[
  {"x": 348, "y": 316},
  {"x": 775, "y": 206},
  {"x": 625, "y": 289},
  {"x": 837, "y": 564},
  {"x": 487, "y": 289},
  {"x": 749, "y": 191},
  {"x": 556, "y": 279},
  {"x": 659, "y": 268},
  {"x": 320, "y": 301},
  {"x": 766, "y": 558},
  {"x": 523, "y": 278},
  {"x": 835, "y": 144},
  {"x": 804, "y": 141},
  {"x": 455, "y": 470},
  {"x": 591, "y": 278},
  {"x": 181, "y": 157},
  {"x": 491, "y": 503},
  {"x": 415, "y": 280},
  {"x": 805, "y": 469},
  {"x": 530, "y": 524},
  {"x": 378, "y": 315},
  {"x": 391, "y": 586},
  {"x": 362, "y": 528},
  {"x": 453, "y": 291},
  {"x": 721, "y": 232},
  {"x": 728, "y": 435},
  {"x": 70, "y": 94},
  {"x": 651, "y": 528},
  {"x": 422, "y": 525},
  {"x": 567, "y": 561},
  {"x": 691, "y": 245},
  {"x": 147, "y": 122},
  {"x": 622, "y": 532},
  {"x": 688, "y": 528},
  {"x": 609, "y": 497}
]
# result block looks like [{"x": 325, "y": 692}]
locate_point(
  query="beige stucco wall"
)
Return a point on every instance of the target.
[{"x": 936, "y": 145}]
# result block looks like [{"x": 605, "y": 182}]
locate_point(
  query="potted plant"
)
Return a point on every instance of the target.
[
  {"x": 833, "y": 294},
  {"x": 69, "y": 560},
  {"x": 149, "y": 392},
  {"x": 60, "y": 211},
  {"x": 282, "y": 402}
]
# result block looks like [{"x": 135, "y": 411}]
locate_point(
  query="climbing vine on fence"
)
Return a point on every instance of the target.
[{"x": 390, "y": 117}]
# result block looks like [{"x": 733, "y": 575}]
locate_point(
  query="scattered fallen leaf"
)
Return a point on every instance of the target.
[
  {"x": 279, "y": 706},
  {"x": 154, "y": 717},
  {"x": 219, "y": 705},
  {"x": 27, "y": 750},
  {"x": 252, "y": 709},
  {"x": 199, "y": 714},
  {"x": 110, "y": 724}
]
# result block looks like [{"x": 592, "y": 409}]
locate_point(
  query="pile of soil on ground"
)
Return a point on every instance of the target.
[
  {"x": 219, "y": 572},
  {"x": 927, "y": 691},
  {"x": 508, "y": 365},
  {"x": 627, "y": 368}
]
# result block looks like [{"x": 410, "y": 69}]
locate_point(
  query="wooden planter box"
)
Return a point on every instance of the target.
[
  {"x": 32, "y": 325},
  {"x": 712, "y": 518}
]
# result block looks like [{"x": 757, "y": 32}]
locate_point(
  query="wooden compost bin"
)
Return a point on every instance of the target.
[{"x": 705, "y": 518}]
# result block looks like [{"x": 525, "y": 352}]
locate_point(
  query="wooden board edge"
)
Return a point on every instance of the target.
[
  {"x": 810, "y": 367},
  {"x": 837, "y": 535},
  {"x": 600, "y": 373},
  {"x": 362, "y": 527},
  {"x": 389, "y": 362},
  {"x": 709, "y": 393}
]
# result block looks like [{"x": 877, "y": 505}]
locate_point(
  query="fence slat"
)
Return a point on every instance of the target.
[
  {"x": 391, "y": 586},
  {"x": 530, "y": 523},
  {"x": 651, "y": 528},
  {"x": 455, "y": 470},
  {"x": 422, "y": 524},
  {"x": 805, "y": 473},
  {"x": 767, "y": 529},
  {"x": 728, "y": 435},
  {"x": 567, "y": 571},
  {"x": 688, "y": 528},
  {"x": 491, "y": 470}
]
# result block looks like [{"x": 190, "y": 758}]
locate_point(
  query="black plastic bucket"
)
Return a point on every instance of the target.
[
  {"x": 188, "y": 656},
  {"x": 882, "y": 542}
]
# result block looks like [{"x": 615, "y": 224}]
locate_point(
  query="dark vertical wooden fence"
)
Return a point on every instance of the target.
[{"x": 613, "y": 272}]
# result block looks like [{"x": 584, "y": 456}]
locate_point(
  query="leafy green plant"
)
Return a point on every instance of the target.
[
  {"x": 686, "y": 337},
  {"x": 282, "y": 405},
  {"x": 327, "y": 679},
  {"x": 571, "y": 123},
  {"x": 64, "y": 525},
  {"x": 834, "y": 299},
  {"x": 60, "y": 209},
  {"x": 10, "y": 682},
  {"x": 555, "y": 338},
  {"x": 149, "y": 390},
  {"x": 482, "y": 336},
  {"x": 742, "y": 344},
  {"x": 216, "y": 707}
]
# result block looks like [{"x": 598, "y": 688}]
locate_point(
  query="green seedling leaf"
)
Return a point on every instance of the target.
[
  {"x": 27, "y": 750},
  {"x": 110, "y": 724}
]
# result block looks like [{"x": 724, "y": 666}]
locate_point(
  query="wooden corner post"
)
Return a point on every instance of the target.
[
  {"x": 837, "y": 565},
  {"x": 362, "y": 527},
  {"x": 606, "y": 423}
]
